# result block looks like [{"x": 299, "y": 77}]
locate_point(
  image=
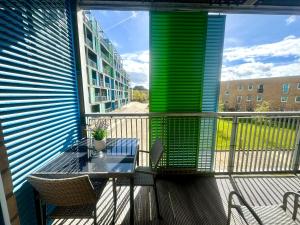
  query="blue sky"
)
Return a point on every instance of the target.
[{"x": 254, "y": 46}]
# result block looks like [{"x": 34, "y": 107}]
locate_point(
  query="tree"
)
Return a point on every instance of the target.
[
  {"x": 140, "y": 88},
  {"x": 264, "y": 106},
  {"x": 221, "y": 106},
  {"x": 140, "y": 96}
]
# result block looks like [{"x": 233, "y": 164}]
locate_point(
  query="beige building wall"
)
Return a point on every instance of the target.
[{"x": 283, "y": 93}]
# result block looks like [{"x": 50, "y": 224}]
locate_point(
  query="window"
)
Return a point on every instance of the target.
[
  {"x": 284, "y": 98},
  {"x": 226, "y": 92},
  {"x": 298, "y": 86},
  {"x": 240, "y": 87},
  {"x": 250, "y": 87},
  {"x": 249, "y": 98},
  {"x": 297, "y": 99},
  {"x": 285, "y": 88},
  {"x": 258, "y": 98},
  {"x": 239, "y": 99},
  {"x": 260, "y": 88}
]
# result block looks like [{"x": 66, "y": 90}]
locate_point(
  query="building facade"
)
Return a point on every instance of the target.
[
  {"x": 107, "y": 81},
  {"x": 282, "y": 94}
]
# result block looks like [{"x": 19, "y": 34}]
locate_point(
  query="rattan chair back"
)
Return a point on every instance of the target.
[
  {"x": 65, "y": 192},
  {"x": 156, "y": 152}
]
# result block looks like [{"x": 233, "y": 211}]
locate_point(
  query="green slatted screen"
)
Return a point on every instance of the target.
[{"x": 177, "y": 46}]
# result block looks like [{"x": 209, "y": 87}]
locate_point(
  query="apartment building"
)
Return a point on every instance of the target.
[
  {"x": 107, "y": 81},
  {"x": 282, "y": 93}
]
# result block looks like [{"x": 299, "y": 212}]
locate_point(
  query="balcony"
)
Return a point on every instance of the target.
[
  {"x": 100, "y": 98},
  {"x": 263, "y": 140},
  {"x": 211, "y": 154},
  {"x": 105, "y": 44},
  {"x": 191, "y": 199},
  {"x": 106, "y": 58},
  {"x": 89, "y": 43},
  {"x": 228, "y": 142},
  {"x": 92, "y": 63}
]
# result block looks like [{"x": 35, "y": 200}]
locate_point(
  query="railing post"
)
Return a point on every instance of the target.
[
  {"x": 296, "y": 155},
  {"x": 232, "y": 144}
]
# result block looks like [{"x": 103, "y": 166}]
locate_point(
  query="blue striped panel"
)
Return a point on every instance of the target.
[
  {"x": 211, "y": 84},
  {"x": 39, "y": 108}
]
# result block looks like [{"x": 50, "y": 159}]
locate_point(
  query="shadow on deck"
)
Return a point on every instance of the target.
[{"x": 190, "y": 200}]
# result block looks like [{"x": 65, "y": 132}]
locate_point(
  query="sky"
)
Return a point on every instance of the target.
[{"x": 255, "y": 46}]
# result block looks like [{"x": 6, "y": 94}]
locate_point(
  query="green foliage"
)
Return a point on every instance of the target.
[
  {"x": 100, "y": 130},
  {"x": 254, "y": 134},
  {"x": 99, "y": 134},
  {"x": 140, "y": 88},
  {"x": 264, "y": 106},
  {"x": 221, "y": 106},
  {"x": 140, "y": 96}
]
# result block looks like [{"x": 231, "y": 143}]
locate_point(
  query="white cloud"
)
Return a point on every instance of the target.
[
  {"x": 246, "y": 62},
  {"x": 137, "y": 63},
  {"x": 290, "y": 19},
  {"x": 289, "y": 46},
  {"x": 260, "y": 70},
  {"x": 137, "y": 66}
]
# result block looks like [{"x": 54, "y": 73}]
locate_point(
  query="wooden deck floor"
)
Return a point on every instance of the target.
[{"x": 189, "y": 200}]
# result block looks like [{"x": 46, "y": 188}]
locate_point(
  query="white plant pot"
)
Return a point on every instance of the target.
[{"x": 99, "y": 145}]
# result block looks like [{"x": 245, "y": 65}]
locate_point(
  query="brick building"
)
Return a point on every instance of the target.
[{"x": 283, "y": 93}]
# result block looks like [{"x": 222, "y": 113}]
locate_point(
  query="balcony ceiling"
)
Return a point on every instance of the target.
[{"x": 219, "y": 6}]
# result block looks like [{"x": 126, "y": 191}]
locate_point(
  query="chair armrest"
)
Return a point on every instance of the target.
[
  {"x": 296, "y": 202},
  {"x": 143, "y": 151},
  {"x": 231, "y": 205}
]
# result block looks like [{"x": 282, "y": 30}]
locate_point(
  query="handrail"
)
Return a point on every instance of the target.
[
  {"x": 296, "y": 202},
  {"x": 230, "y": 205},
  {"x": 207, "y": 114}
]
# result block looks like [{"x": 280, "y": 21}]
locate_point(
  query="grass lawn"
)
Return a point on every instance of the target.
[{"x": 257, "y": 134}]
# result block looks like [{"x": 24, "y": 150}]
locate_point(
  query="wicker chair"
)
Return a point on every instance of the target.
[
  {"x": 72, "y": 197},
  {"x": 146, "y": 176}
]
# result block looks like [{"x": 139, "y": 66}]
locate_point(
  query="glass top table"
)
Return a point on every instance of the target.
[{"x": 116, "y": 160}]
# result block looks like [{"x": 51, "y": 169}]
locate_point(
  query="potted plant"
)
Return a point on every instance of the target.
[{"x": 99, "y": 134}]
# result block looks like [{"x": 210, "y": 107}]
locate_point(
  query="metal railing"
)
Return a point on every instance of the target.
[
  {"x": 107, "y": 72},
  {"x": 92, "y": 63},
  {"x": 224, "y": 142},
  {"x": 108, "y": 59},
  {"x": 89, "y": 43}
]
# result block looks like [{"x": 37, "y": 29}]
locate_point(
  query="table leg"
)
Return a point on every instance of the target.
[
  {"x": 131, "y": 201},
  {"x": 39, "y": 211},
  {"x": 115, "y": 199}
]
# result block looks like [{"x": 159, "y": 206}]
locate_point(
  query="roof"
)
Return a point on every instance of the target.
[{"x": 220, "y": 6}]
